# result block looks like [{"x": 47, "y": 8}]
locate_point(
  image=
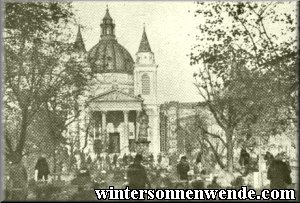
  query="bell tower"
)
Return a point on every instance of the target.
[
  {"x": 145, "y": 85},
  {"x": 145, "y": 72}
]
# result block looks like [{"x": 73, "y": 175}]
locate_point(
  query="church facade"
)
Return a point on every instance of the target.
[{"x": 121, "y": 111}]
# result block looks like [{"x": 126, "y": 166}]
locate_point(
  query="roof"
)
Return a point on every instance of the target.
[
  {"x": 79, "y": 44},
  {"x": 144, "y": 45},
  {"x": 107, "y": 15},
  {"x": 108, "y": 56},
  {"x": 115, "y": 95},
  {"x": 182, "y": 105}
]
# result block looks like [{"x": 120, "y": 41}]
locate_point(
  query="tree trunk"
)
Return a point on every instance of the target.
[
  {"x": 22, "y": 139},
  {"x": 71, "y": 158},
  {"x": 18, "y": 186},
  {"x": 216, "y": 155},
  {"x": 54, "y": 162},
  {"x": 229, "y": 134}
]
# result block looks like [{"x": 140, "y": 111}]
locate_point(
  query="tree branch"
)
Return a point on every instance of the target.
[
  {"x": 215, "y": 153},
  {"x": 213, "y": 135},
  {"x": 252, "y": 40}
]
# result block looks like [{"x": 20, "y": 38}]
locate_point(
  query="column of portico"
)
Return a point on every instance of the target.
[
  {"x": 89, "y": 121},
  {"x": 126, "y": 131},
  {"x": 103, "y": 130},
  {"x": 97, "y": 127},
  {"x": 137, "y": 130}
]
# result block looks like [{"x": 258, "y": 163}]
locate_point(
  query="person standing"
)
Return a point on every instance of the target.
[
  {"x": 108, "y": 162},
  {"x": 159, "y": 159},
  {"x": 268, "y": 158},
  {"x": 89, "y": 161},
  {"x": 130, "y": 158},
  {"x": 125, "y": 159},
  {"x": 115, "y": 160},
  {"x": 151, "y": 158},
  {"x": 244, "y": 158},
  {"x": 279, "y": 174},
  {"x": 183, "y": 168},
  {"x": 198, "y": 162},
  {"x": 42, "y": 168},
  {"x": 244, "y": 161},
  {"x": 137, "y": 175}
]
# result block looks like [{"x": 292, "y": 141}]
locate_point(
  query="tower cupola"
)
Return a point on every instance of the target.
[{"x": 107, "y": 27}]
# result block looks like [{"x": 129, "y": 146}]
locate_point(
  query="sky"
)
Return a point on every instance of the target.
[{"x": 168, "y": 25}]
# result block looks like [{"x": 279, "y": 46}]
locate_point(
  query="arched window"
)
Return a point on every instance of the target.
[{"x": 145, "y": 84}]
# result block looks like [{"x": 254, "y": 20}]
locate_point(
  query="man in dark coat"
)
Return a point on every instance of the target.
[
  {"x": 159, "y": 159},
  {"x": 244, "y": 158},
  {"x": 108, "y": 163},
  {"x": 130, "y": 158},
  {"x": 89, "y": 160},
  {"x": 137, "y": 175},
  {"x": 279, "y": 174},
  {"x": 42, "y": 168},
  {"x": 268, "y": 158},
  {"x": 183, "y": 168},
  {"x": 198, "y": 163},
  {"x": 151, "y": 158},
  {"x": 199, "y": 158}
]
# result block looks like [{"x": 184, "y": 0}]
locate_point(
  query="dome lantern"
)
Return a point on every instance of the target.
[{"x": 107, "y": 27}]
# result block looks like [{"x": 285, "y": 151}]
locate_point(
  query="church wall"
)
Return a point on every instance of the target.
[
  {"x": 145, "y": 58},
  {"x": 154, "y": 134},
  {"x": 170, "y": 110},
  {"x": 173, "y": 116},
  {"x": 150, "y": 70}
]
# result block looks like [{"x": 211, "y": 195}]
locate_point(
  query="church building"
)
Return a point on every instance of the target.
[{"x": 121, "y": 111}]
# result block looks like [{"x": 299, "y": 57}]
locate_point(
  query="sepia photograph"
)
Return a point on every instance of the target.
[{"x": 149, "y": 100}]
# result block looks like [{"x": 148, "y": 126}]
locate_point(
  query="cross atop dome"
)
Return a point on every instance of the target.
[{"x": 144, "y": 45}]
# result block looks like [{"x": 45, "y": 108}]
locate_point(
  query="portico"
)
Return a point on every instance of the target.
[{"x": 114, "y": 118}]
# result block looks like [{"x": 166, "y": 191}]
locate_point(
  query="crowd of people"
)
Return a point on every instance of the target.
[
  {"x": 140, "y": 172},
  {"x": 191, "y": 172}
]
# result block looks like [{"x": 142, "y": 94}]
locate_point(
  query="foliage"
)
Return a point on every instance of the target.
[
  {"x": 41, "y": 74},
  {"x": 247, "y": 53}
]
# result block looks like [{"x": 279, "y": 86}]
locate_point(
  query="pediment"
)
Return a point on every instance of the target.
[{"x": 115, "y": 95}]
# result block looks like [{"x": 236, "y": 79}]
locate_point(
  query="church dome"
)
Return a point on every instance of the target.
[{"x": 108, "y": 56}]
